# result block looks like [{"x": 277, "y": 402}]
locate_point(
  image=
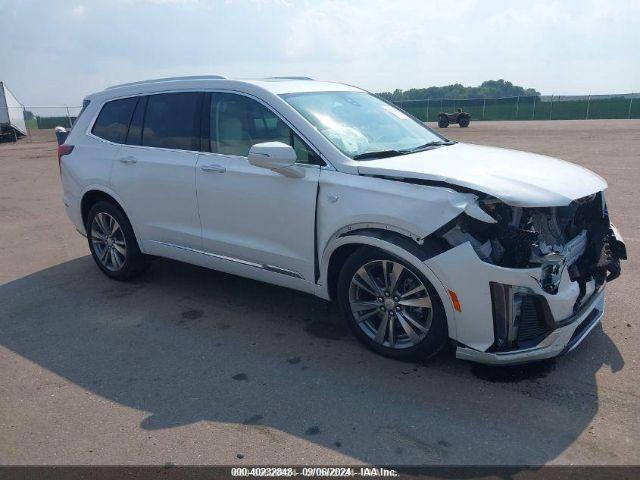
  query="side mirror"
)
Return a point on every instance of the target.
[
  {"x": 276, "y": 156},
  {"x": 61, "y": 134}
]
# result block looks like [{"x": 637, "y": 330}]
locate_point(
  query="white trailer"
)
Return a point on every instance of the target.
[{"x": 11, "y": 114}]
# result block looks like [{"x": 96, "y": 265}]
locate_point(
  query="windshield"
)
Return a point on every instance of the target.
[{"x": 362, "y": 125}]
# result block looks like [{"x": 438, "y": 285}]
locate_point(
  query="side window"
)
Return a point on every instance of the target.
[
  {"x": 113, "y": 121},
  {"x": 172, "y": 121},
  {"x": 238, "y": 122}
]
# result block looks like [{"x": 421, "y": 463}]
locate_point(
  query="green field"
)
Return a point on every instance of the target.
[{"x": 526, "y": 108}]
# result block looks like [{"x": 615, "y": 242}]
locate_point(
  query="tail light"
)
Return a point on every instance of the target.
[{"x": 62, "y": 151}]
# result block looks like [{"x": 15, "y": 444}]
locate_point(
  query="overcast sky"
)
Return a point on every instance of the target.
[{"x": 57, "y": 52}]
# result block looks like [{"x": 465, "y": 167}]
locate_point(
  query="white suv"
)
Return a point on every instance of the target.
[{"x": 327, "y": 189}]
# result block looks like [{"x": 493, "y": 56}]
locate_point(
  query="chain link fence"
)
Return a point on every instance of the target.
[
  {"x": 554, "y": 107},
  {"x": 44, "y": 117},
  {"x": 47, "y": 117}
]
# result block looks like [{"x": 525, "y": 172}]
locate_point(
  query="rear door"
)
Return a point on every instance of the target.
[
  {"x": 154, "y": 172},
  {"x": 252, "y": 215}
]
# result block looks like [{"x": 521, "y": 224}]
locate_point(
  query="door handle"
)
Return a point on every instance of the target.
[
  {"x": 213, "y": 168},
  {"x": 128, "y": 160}
]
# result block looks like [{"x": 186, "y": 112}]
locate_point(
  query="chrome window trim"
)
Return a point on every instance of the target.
[
  {"x": 146, "y": 147},
  {"x": 262, "y": 266}
]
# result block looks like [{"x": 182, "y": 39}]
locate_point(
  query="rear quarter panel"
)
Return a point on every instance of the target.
[{"x": 87, "y": 166}]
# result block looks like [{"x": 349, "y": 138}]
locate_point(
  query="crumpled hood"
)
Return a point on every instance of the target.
[{"x": 517, "y": 178}]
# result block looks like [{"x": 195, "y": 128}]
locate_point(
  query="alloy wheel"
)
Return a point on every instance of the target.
[
  {"x": 390, "y": 304},
  {"x": 108, "y": 242}
]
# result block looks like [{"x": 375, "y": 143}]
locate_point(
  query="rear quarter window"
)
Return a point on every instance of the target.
[{"x": 113, "y": 121}]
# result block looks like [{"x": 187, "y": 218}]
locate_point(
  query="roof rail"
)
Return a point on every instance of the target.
[
  {"x": 288, "y": 78},
  {"x": 169, "y": 79}
]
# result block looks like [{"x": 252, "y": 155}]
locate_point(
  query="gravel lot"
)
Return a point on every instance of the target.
[{"x": 191, "y": 366}]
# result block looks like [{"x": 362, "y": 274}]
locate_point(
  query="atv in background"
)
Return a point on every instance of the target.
[{"x": 460, "y": 117}]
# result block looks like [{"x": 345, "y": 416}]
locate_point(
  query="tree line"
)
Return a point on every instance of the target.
[{"x": 489, "y": 89}]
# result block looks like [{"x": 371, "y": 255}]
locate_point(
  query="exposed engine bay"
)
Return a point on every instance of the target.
[{"x": 577, "y": 237}]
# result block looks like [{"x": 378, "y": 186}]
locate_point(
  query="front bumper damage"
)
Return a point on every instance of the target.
[
  {"x": 561, "y": 340},
  {"x": 542, "y": 307}
]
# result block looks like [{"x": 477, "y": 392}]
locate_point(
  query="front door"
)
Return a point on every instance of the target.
[{"x": 251, "y": 214}]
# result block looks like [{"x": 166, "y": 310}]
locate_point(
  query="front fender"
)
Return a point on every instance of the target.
[{"x": 350, "y": 201}]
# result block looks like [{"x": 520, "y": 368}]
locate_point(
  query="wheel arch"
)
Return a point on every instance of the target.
[
  {"x": 339, "y": 248},
  {"x": 95, "y": 194}
]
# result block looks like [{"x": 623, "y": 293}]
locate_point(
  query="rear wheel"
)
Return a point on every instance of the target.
[
  {"x": 112, "y": 242},
  {"x": 390, "y": 306},
  {"x": 443, "y": 121}
]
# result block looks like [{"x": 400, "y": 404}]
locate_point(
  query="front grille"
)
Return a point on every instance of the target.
[{"x": 531, "y": 322}]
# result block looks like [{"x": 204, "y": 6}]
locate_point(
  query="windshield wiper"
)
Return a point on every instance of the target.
[
  {"x": 396, "y": 153},
  {"x": 438, "y": 143},
  {"x": 379, "y": 154}
]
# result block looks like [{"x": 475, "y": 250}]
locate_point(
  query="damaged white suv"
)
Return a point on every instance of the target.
[{"x": 324, "y": 188}]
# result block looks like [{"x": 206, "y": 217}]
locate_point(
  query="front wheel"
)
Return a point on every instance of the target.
[
  {"x": 464, "y": 122},
  {"x": 112, "y": 242},
  {"x": 390, "y": 306}
]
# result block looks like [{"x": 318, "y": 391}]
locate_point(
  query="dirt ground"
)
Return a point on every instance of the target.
[{"x": 191, "y": 366}]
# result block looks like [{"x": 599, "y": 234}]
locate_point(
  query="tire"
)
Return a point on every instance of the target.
[
  {"x": 464, "y": 122},
  {"x": 114, "y": 248},
  {"x": 443, "y": 121},
  {"x": 395, "y": 337}
]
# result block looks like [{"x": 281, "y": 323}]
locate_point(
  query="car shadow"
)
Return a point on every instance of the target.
[{"x": 188, "y": 345}]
